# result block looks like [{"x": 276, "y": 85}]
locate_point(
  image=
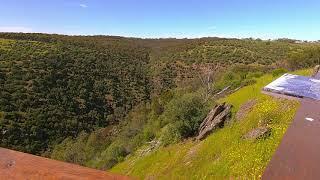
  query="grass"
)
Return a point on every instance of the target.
[{"x": 224, "y": 153}]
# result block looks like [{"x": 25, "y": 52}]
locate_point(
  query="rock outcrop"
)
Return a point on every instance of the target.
[
  {"x": 152, "y": 145},
  {"x": 214, "y": 120},
  {"x": 258, "y": 133},
  {"x": 316, "y": 71}
]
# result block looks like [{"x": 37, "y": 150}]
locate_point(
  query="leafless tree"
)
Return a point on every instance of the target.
[{"x": 206, "y": 77}]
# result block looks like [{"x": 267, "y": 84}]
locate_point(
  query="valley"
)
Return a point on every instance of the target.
[{"x": 134, "y": 106}]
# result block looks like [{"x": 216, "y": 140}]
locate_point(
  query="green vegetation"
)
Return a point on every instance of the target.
[
  {"x": 95, "y": 100},
  {"x": 51, "y": 91},
  {"x": 302, "y": 58},
  {"x": 179, "y": 118},
  {"x": 224, "y": 153}
]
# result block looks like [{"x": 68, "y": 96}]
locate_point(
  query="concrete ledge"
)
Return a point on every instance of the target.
[{"x": 17, "y": 165}]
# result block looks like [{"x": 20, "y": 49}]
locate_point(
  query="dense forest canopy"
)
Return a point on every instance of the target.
[
  {"x": 74, "y": 90},
  {"x": 53, "y": 90}
]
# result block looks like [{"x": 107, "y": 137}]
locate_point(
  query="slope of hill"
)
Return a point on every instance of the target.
[
  {"x": 224, "y": 153},
  {"x": 50, "y": 91},
  {"x": 93, "y": 100}
]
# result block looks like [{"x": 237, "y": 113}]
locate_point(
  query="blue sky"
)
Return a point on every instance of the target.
[{"x": 165, "y": 18}]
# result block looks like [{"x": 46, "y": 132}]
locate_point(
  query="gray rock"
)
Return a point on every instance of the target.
[
  {"x": 216, "y": 118},
  {"x": 152, "y": 145},
  {"x": 315, "y": 71},
  {"x": 258, "y": 133}
]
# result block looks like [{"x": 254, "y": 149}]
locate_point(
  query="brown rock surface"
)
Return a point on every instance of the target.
[{"x": 214, "y": 120}]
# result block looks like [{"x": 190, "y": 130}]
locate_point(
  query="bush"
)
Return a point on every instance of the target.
[
  {"x": 169, "y": 135},
  {"x": 251, "y": 75},
  {"x": 305, "y": 58},
  {"x": 112, "y": 155},
  {"x": 278, "y": 72},
  {"x": 72, "y": 151},
  {"x": 238, "y": 76},
  {"x": 182, "y": 117},
  {"x": 248, "y": 82},
  {"x": 97, "y": 141}
]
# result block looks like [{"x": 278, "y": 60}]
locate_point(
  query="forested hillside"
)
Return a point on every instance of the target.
[
  {"x": 50, "y": 91},
  {"x": 92, "y": 100}
]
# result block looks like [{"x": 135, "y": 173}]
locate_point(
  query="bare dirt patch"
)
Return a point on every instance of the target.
[
  {"x": 192, "y": 153},
  {"x": 245, "y": 109}
]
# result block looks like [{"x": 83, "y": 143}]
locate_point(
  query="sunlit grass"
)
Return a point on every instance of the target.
[{"x": 224, "y": 153}]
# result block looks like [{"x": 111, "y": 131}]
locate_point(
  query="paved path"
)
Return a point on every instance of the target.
[
  {"x": 298, "y": 155},
  {"x": 17, "y": 165}
]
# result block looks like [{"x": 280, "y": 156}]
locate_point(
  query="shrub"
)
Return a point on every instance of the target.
[
  {"x": 72, "y": 151},
  {"x": 248, "y": 82},
  {"x": 182, "y": 117},
  {"x": 169, "y": 135},
  {"x": 278, "y": 72},
  {"x": 114, "y": 153},
  {"x": 254, "y": 74},
  {"x": 97, "y": 141},
  {"x": 156, "y": 107}
]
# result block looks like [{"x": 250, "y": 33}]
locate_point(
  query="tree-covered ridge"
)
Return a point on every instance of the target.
[
  {"x": 50, "y": 91},
  {"x": 232, "y": 51}
]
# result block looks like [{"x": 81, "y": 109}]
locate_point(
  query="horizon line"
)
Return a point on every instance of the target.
[{"x": 163, "y": 37}]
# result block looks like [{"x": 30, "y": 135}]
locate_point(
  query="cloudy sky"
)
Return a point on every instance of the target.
[{"x": 264, "y": 19}]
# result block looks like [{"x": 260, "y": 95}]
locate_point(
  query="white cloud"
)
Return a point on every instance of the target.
[
  {"x": 83, "y": 5},
  {"x": 15, "y": 29},
  {"x": 212, "y": 28}
]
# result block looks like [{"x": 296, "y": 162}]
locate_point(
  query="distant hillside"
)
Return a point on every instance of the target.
[{"x": 50, "y": 91}]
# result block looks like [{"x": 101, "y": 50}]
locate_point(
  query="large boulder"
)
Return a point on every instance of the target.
[{"x": 216, "y": 118}]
